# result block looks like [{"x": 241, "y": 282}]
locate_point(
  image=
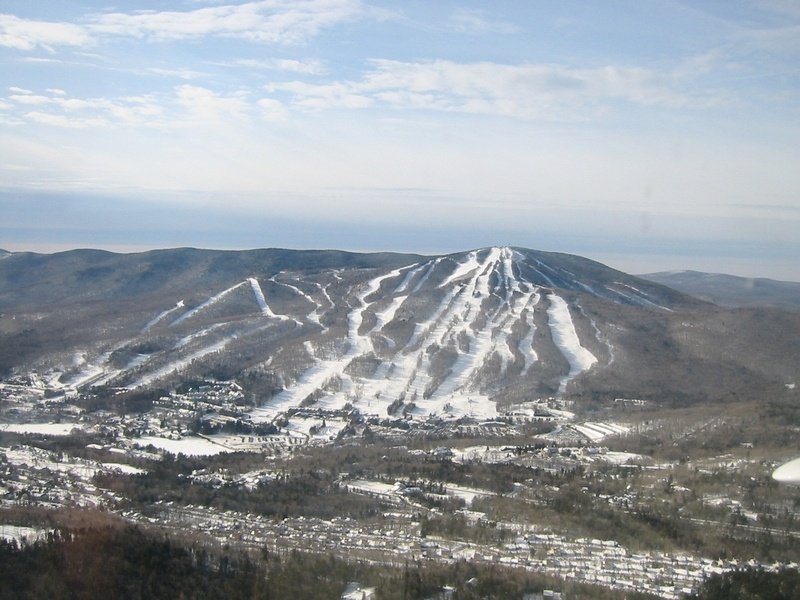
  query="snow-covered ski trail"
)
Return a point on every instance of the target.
[
  {"x": 207, "y": 303},
  {"x": 493, "y": 336},
  {"x": 314, "y": 315},
  {"x": 431, "y": 266},
  {"x": 566, "y": 339},
  {"x": 482, "y": 303},
  {"x": 259, "y": 293},
  {"x": 413, "y": 271},
  {"x": 162, "y": 315},
  {"x": 526, "y": 344},
  {"x": 316, "y": 377}
]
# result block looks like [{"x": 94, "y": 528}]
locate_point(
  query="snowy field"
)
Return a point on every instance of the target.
[
  {"x": 59, "y": 429},
  {"x": 190, "y": 446},
  {"x": 21, "y": 534}
]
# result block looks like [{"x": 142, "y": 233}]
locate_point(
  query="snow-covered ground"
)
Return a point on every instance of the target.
[
  {"x": 190, "y": 446},
  {"x": 163, "y": 315},
  {"x": 211, "y": 301},
  {"x": 21, "y": 533},
  {"x": 474, "y": 333},
  {"x": 595, "y": 432},
  {"x": 566, "y": 338},
  {"x": 42, "y": 428}
]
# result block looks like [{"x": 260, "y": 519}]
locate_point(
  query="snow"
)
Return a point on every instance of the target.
[
  {"x": 424, "y": 278},
  {"x": 566, "y": 339},
  {"x": 181, "y": 363},
  {"x": 484, "y": 454},
  {"x": 162, "y": 315},
  {"x": 372, "y": 487},
  {"x": 57, "y": 429},
  {"x": 621, "y": 458},
  {"x": 20, "y": 533},
  {"x": 262, "y": 301},
  {"x": 123, "y": 468},
  {"x": 526, "y": 344},
  {"x": 597, "y": 431},
  {"x": 463, "y": 269},
  {"x": 211, "y": 301},
  {"x": 314, "y": 315},
  {"x": 355, "y": 591},
  {"x": 91, "y": 373},
  {"x": 189, "y": 446},
  {"x": 465, "y": 493},
  {"x": 323, "y": 371},
  {"x": 259, "y": 293},
  {"x": 413, "y": 271},
  {"x": 459, "y": 319},
  {"x": 639, "y": 296},
  {"x": 460, "y": 324}
]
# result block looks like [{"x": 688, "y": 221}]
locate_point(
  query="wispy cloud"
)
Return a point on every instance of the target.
[
  {"x": 57, "y": 109},
  {"x": 781, "y": 40},
  {"x": 529, "y": 91},
  {"x": 60, "y": 120},
  {"x": 182, "y": 106},
  {"x": 287, "y": 65},
  {"x": 25, "y": 34},
  {"x": 477, "y": 22},
  {"x": 206, "y": 105},
  {"x": 267, "y": 21},
  {"x": 187, "y": 74}
]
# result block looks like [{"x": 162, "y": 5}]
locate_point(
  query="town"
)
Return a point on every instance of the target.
[{"x": 429, "y": 491}]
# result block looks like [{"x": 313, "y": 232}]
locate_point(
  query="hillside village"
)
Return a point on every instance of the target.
[{"x": 110, "y": 446}]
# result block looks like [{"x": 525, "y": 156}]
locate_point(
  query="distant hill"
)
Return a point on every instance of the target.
[
  {"x": 392, "y": 335},
  {"x": 731, "y": 291}
]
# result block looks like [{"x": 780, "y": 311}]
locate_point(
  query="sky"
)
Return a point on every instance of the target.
[{"x": 648, "y": 135}]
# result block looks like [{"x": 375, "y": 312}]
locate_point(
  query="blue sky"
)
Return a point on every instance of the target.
[{"x": 647, "y": 135}]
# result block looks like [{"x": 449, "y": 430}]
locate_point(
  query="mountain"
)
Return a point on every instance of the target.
[
  {"x": 394, "y": 335},
  {"x": 731, "y": 291}
]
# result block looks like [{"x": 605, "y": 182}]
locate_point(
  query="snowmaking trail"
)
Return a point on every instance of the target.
[
  {"x": 484, "y": 316},
  {"x": 210, "y": 302},
  {"x": 162, "y": 315},
  {"x": 526, "y": 344},
  {"x": 260, "y": 298},
  {"x": 312, "y": 316},
  {"x": 262, "y": 303},
  {"x": 566, "y": 339},
  {"x": 317, "y": 377}
]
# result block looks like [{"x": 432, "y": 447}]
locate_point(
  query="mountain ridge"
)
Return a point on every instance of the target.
[
  {"x": 398, "y": 335},
  {"x": 731, "y": 291}
]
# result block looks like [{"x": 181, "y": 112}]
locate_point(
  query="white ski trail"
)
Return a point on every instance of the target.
[
  {"x": 431, "y": 266},
  {"x": 259, "y": 293},
  {"x": 162, "y": 315},
  {"x": 468, "y": 267},
  {"x": 526, "y": 344},
  {"x": 323, "y": 371},
  {"x": 207, "y": 303},
  {"x": 314, "y": 315},
  {"x": 566, "y": 339},
  {"x": 414, "y": 269}
]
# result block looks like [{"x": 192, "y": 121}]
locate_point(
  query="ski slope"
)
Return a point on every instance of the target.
[
  {"x": 433, "y": 338},
  {"x": 440, "y": 370}
]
